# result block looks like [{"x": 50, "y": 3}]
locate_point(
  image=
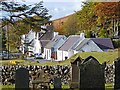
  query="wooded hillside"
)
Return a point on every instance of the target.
[{"x": 99, "y": 19}]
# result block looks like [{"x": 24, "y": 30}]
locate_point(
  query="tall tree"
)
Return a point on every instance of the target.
[
  {"x": 108, "y": 16},
  {"x": 2, "y": 40},
  {"x": 87, "y": 17},
  {"x": 22, "y": 18}
]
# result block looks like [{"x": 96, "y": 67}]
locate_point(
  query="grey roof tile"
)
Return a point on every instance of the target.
[
  {"x": 103, "y": 43},
  {"x": 54, "y": 41},
  {"x": 69, "y": 42}
]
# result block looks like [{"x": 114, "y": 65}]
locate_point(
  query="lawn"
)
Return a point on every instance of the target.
[
  {"x": 12, "y": 87},
  {"x": 109, "y": 57}
]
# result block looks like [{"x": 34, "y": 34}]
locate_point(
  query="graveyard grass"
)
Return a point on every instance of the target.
[
  {"x": 11, "y": 87},
  {"x": 109, "y": 57}
]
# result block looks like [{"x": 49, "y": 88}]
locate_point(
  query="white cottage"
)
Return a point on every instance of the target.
[
  {"x": 30, "y": 43},
  {"x": 94, "y": 45},
  {"x": 65, "y": 51},
  {"x": 51, "y": 48}
]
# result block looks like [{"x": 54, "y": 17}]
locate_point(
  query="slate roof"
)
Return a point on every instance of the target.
[
  {"x": 69, "y": 42},
  {"x": 103, "y": 43},
  {"x": 82, "y": 43},
  {"x": 54, "y": 41},
  {"x": 44, "y": 42}
]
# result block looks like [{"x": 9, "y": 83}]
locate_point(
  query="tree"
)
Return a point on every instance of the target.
[
  {"x": 22, "y": 18},
  {"x": 2, "y": 40},
  {"x": 108, "y": 16},
  {"x": 87, "y": 17},
  {"x": 70, "y": 27}
]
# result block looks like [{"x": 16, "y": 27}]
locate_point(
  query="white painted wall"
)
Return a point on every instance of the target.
[
  {"x": 70, "y": 53},
  {"x": 37, "y": 46},
  {"x": 47, "y": 53},
  {"x": 59, "y": 55}
]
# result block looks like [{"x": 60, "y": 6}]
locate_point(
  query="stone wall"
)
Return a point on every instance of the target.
[{"x": 7, "y": 76}]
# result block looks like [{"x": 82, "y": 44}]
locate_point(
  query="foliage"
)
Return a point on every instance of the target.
[
  {"x": 102, "y": 34},
  {"x": 90, "y": 34},
  {"x": 108, "y": 16},
  {"x": 3, "y": 40},
  {"x": 22, "y": 18},
  {"x": 116, "y": 44},
  {"x": 71, "y": 26},
  {"x": 32, "y": 16},
  {"x": 102, "y": 18},
  {"x": 87, "y": 17}
]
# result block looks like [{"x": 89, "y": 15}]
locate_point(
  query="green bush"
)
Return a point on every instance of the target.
[{"x": 116, "y": 44}]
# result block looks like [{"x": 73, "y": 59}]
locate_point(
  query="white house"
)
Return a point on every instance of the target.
[
  {"x": 30, "y": 43},
  {"x": 51, "y": 48},
  {"x": 66, "y": 51},
  {"x": 94, "y": 45},
  {"x": 34, "y": 42},
  {"x": 87, "y": 45},
  {"x": 75, "y": 44}
]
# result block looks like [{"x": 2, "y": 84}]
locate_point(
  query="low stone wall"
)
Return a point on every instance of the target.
[
  {"x": 109, "y": 73},
  {"x": 7, "y": 73}
]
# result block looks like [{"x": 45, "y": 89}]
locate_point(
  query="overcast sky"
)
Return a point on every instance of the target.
[{"x": 58, "y": 8}]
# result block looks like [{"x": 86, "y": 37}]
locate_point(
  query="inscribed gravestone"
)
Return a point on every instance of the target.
[
  {"x": 117, "y": 74},
  {"x": 22, "y": 78},
  {"x": 91, "y": 74},
  {"x": 57, "y": 83},
  {"x": 75, "y": 72}
]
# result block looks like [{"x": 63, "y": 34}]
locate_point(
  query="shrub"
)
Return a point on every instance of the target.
[{"x": 116, "y": 44}]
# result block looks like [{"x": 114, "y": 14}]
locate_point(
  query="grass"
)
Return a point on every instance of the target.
[
  {"x": 20, "y": 62},
  {"x": 12, "y": 87},
  {"x": 109, "y": 57}
]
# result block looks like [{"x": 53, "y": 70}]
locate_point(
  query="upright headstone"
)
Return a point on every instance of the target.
[
  {"x": 57, "y": 83},
  {"x": 75, "y": 73},
  {"x": 91, "y": 74},
  {"x": 117, "y": 74},
  {"x": 22, "y": 79}
]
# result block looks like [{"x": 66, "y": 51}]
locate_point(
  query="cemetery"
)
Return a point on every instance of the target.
[
  {"x": 81, "y": 73},
  {"x": 61, "y": 46}
]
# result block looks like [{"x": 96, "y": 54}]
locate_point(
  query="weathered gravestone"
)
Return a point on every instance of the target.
[
  {"x": 75, "y": 73},
  {"x": 91, "y": 74},
  {"x": 57, "y": 83},
  {"x": 22, "y": 79},
  {"x": 117, "y": 74}
]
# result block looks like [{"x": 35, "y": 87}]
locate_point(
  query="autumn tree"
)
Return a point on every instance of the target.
[{"x": 108, "y": 17}]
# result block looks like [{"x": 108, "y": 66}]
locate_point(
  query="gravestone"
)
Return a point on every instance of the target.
[
  {"x": 117, "y": 74},
  {"x": 91, "y": 74},
  {"x": 75, "y": 73},
  {"x": 57, "y": 83},
  {"x": 21, "y": 79}
]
